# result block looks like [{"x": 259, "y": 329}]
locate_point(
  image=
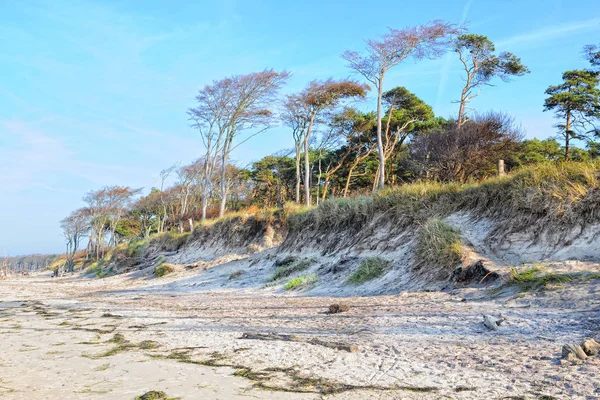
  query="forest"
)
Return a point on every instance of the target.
[{"x": 341, "y": 146}]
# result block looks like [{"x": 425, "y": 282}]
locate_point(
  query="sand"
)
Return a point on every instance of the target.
[{"x": 415, "y": 345}]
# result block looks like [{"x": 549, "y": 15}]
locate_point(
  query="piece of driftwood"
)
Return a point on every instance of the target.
[{"x": 293, "y": 338}]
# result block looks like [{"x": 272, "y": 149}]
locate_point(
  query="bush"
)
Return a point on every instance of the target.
[
  {"x": 163, "y": 269},
  {"x": 438, "y": 245},
  {"x": 290, "y": 266},
  {"x": 369, "y": 268},
  {"x": 136, "y": 247},
  {"x": 301, "y": 281}
]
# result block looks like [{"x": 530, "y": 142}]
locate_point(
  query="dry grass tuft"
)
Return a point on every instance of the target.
[{"x": 438, "y": 246}]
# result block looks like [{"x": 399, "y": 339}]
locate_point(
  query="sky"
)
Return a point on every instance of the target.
[{"x": 95, "y": 93}]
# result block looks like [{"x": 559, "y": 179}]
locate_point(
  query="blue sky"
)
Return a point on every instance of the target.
[{"x": 95, "y": 93}]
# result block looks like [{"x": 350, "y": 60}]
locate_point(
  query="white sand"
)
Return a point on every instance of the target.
[{"x": 425, "y": 345}]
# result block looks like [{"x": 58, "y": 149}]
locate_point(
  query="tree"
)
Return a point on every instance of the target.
[
  {"x": 225, "y": 110},
  {"x": 424, "y": 41},
  {"x": 576, "y": 102},
  {"x": 481, "y": 65},
  {"x": 592, "y": 54},
  {"x": 536, "y": 151},
  {"x": 317, "y": 97},
  {"x": 405, "y": 115},
  {"x": 469, "y": 152},
  {"x": 75, "y": 227},
  {"x": 294, "y": 116}
]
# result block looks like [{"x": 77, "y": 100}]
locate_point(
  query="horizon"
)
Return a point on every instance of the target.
[{"x": 97, "y": 95}]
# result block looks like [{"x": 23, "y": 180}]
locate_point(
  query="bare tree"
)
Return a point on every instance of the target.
[
  {"x": 424, "y": 41},
  {"x": 317, "y": 97},
  {"x": 228, "y": 108},
  {"x": 164, "y": 175}
]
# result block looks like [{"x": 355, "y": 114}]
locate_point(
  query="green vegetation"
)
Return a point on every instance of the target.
[
  {"x": 136, "y": 247},
  {"x": 557, "y": 193},
  {"x": 540, "y": 277},
  {"x": 169, "y": 241},
  {"x": 369, "y": 268},
  {"x": 438, "y": 245},
  {"x": 290, "y": 266},
  {"x": 163, "y": 269},
  {"x": 155, "y": 395},
  {"x": 301, "y": 281},
  {"x": 123, "y": 344}
]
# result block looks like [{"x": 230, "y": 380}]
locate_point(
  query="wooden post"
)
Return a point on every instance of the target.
[
  {"x": 501, "y": 171},
  {"x": 191, "y": 225}
]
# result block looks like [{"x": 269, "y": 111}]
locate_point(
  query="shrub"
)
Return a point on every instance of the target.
[
  {"x": 290, "y": 267},
  {"x": 163, "y": 269},
  {"x": 369, "y": 268},
  {"x": 438, "y": 245},
  {"x": 302, "y": 281},
  {"x": 136, "y": 247}
]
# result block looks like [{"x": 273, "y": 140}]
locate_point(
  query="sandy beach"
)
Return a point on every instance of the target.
[{"x": 75, "y": 338}]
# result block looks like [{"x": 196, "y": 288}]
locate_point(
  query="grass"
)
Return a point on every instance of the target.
[
  {"x": 534, "y": 278},
  {"x": 438, "y": 245},
  {"x": 163, "y": 269},
  {"x": 290, "y": 266},
  {"x": 369, "y": 268},
  {"x": 136, "y": 247},
  {"x": 557, "y": 194},
  {"x": 301, "y": 281},
  {"x": 537, "y": 277}
]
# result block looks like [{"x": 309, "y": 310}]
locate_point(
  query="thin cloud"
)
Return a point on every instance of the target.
[
  {"x": 445, "y": 71},
  {"x": 546, "y": 34}
]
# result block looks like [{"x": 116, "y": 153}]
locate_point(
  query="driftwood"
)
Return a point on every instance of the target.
[{"x": 293, "y": 338}]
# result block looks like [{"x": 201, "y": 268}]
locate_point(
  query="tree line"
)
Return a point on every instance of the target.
[{"x": 340, "y": 150}]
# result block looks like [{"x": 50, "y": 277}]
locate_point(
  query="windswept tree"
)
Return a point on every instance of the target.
[
  {"x": 424, "y": 41},
  {"x": 228, "y": 108},
  {"x": 405, "y": 114},
  {"x": 481, "y": 65},
  {"x": 118, "y": 200},
  {"x": 591, "y": 53},
  {"x": 575, "y": 102},
  {"x": 318, "y": 97},
  {"x": 75, "y": 227},
  {"x": 294, "y": 115}
]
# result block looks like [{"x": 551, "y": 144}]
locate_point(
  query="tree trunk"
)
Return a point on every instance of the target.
[
  {"x": 461, "y": 109},
  {"x": 298, "y": 145},
  {"x": 567, "y": 135},
  {"x": 307, "y": 162},
  {"x": 379, "y": 138},
  {"x": 348, "y": 181}
]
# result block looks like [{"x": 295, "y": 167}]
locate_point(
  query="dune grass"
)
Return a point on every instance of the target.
[
  {"x": 559, "y": 193},
  {"x": 542, "y": 277},
  {"x": 301, "y": 281},
  {"x": 290, "y": 267},
  {"x": 369, "y": 269},
  {"x": 438, "y": 245},
  {"x": 163, "y": 269}
]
